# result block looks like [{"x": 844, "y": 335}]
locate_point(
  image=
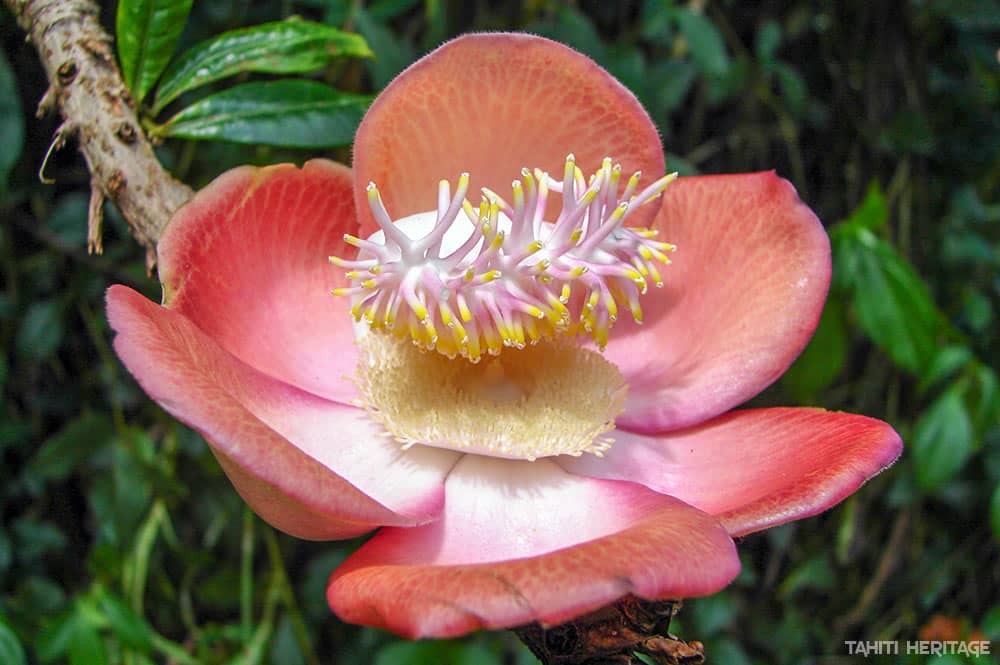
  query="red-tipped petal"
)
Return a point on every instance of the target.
[
  {"x": 525, "y": 541},
  {"x": 491, "y": 104},
  {"x": 247, "y": 261},
  {"x": 739, "y": 302},
  {"x": 757, "y": 468},
  {"x": 311, "y": 467}
]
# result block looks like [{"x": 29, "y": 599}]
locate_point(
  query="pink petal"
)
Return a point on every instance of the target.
[
  {"x": 311, "y": 467},
  {"x": 741, "y": 300},
  {"x": 491, "y": 104},
  {"x": 757, "y": 468},
  {"x": 246, "y": 261},
  {"x": 524, "y": 541}
]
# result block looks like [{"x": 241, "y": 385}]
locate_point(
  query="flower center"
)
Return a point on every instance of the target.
[
  {"x": 467, "y": 282},
  {"x": 551, "y": 398},
  {"x": 511, "y": 278}
]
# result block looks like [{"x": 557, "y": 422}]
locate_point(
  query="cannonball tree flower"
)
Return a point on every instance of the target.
[{"x": 518, "y": 382}]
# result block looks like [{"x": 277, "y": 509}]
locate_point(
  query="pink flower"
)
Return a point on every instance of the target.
[{"x": 250, "y": 349}]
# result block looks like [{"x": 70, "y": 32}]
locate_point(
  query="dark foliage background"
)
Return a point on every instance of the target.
[{"x": 122, "y": 542}]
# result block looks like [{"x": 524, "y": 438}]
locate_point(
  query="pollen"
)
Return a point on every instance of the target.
[
  {"x": 470, "y": 282},
  {"x": 550, "y": 398}
]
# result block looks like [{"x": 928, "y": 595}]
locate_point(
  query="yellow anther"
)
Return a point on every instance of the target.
[
  {"x": 498, "y": 241},
  {"x": 611, "y": 305},
  {"x": 421, "y": 311},
  {"x": 575, "y": 236},
  {"x": 431, "y": 331},
  {"x": 660, "y": 256},
  {"x": 592, "y": 300},
  {"x": 533, "y": 247},
  {"x": 531, "y": 327},
  {"x": 564, "y": 294},
  {"x": 470, "y": 274},
  {"x": 636, "y": 312},
  {"x": 337, "y": 261},
  {"x": 531, "y": 310},
  {"x": 577, "y": 271},
  {"x": 470, "y": 212},
  {"x": 352, "y": 274},
  {"x": 657, "y": 279},
  {"x": 645, "y": 253},
  {"x": 340, "y": 291},
  {"x": 356, "y": 311},
  {"x": 375, "y": 270},
  {"x": 463, "y": 309},
  {"x": 446, "y": 316},
  {"x": 352, "y": 240},
  {"x": 368, "y": 283}
]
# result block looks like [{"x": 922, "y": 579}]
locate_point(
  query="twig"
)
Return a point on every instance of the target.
[{"x": 86, "y": 87}]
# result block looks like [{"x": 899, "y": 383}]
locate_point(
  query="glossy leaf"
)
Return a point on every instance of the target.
[
  {"x": 942, "y": 440},
  {"x": 292, "y": 46},
  {"x": 290, "y": 113},
  {"x": 11, "y": 121},
  {"x": 147, "y": 33}
]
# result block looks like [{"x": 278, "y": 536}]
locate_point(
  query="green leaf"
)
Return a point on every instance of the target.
[
  {"x": 68, "y": 219},
  {"x": 943, "y": 440},
  {"x": 768, "y": 41},
  {"x": 704, "y": 41},
  {"x": 995, "y": 515},
  {"x": 11, "y": 121},
  {"x": 825, "y": 356},
  {"x": 291, "y": 113},
  {"x": 86, "y": 646},
  {"x": 672, "y": 80},
  {"x": 72, "y": 445},
  {"x": 11, "y": 651},
  {"x": 793, "y": 86},
  {"x": 147, "y": 33},
  {"x": 946, "y": 361},
  {"x": 385, "y": 10},
  {"x": 815, "y": 573},
  {"x": 392, "y": 53},
  {"x": 41, "y": 330},
  {"x": 892, "y": 303},
  {"x": 969, "y": 14},
  {"x": 292, "y": 46},
  {"x": 129, "y": 627},
  {"x": 873, "y": 212},
  {"x": 52, "y": 641}
]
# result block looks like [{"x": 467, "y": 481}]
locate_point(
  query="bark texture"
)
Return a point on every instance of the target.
[{"x": 86, "y": 88}]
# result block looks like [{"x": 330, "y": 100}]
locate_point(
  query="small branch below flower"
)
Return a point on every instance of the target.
[
  {"x": 87, "y": 88},
  {"x": 613, "y": 635}
]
